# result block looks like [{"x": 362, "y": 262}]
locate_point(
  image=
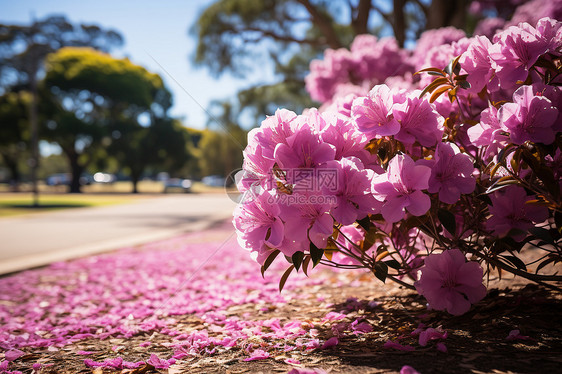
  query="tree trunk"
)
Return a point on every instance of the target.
[
  {"x": 446, "y": 13},
  {"x": 76, "y": 170},
  {"x": 399, "y": 24},
  {"x": 34, "y": 136},
  {"x": 135, "y": 181},
  {"x": 361, "y": 20}
]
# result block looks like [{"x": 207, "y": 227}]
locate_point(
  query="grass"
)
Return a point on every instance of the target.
[{"x": 13, "y": 204}]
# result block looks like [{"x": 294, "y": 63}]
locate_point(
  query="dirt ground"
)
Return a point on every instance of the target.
[{"x": 476, "y": 341}]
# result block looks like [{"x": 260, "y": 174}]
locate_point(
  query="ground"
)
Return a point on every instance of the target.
[{"x": 199, "y": 299}]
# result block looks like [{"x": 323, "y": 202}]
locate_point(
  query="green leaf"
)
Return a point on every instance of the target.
[
  {"x": 269, "y": 261},
  {"x": 543, "y": 234},
  {"x": 438, "y": 92},
  {"x": 297, "y": 258},
  {"x": 544, "y": 263},
  {"x": 431, "y": 70},
  {"x": 515, "y": 261},
  {"x": 284, "y": 277},
  {"x": 365, "y": 223},
  {"x": 316, "y": 254},
  {"x": 393, "y": 264},
  {"x": 448, "y": 221},
  {"x": 305, "y": 265},
  {"x": 381, "y": 271}
]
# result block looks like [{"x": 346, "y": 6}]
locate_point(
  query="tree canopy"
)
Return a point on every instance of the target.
[
  {"x": 101, "y": 101},
  {"x": 240, "y": 36}
]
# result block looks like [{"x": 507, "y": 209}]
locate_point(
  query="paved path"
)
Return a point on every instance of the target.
[{"x": 39, "y": 239}]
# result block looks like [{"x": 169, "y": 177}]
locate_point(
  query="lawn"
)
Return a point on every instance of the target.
[{"x": 12, "y": 204}]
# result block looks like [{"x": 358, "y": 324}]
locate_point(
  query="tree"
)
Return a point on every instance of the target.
[
  {"x": 162, "y": 145},
  {"x": 222, "y": 143},
  {"x": 14, "y": 132},
  {"x": 98, "y": 99},
  {"x": 235, "y": 36},
  {"x": 23, "y": 50}
]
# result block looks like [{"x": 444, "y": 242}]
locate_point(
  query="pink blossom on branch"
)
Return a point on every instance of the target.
[
  {"x": 352, "y": 191},
  {"x": 510, "y": 211},
  {"x": 450, "y": 283},
  {"x": 451, "y": 174},
  {"x": 401, "y": 188},
  {"x": 530, "y": 117},
  {"x": 419, "y": 121},
  {"x": 373, "y": 115},
  {"x": 258, "y": 223}
]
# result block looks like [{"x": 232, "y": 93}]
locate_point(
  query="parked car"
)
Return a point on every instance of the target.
[
  {"x": 100, "y": 177},
  {"x": 177, "y": 185},
  {"x": 213, "y": 181},
  {"x": 64, "y": 179},
  {"x": 61, "y": 179}
]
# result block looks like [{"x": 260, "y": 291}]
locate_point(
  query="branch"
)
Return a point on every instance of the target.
[
  {"x": 384, "y": 15},
  {"x": 361, "y": 19},
  {"x": 281, "y": 38},
  {"x": 323, "y": 24},
  {"x": 424, "y": 8}
]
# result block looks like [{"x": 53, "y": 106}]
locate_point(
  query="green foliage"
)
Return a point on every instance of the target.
[
  {"x": 23, "y": 47},
  {"x": 220, "y": 152},
  {"x": 119, "y": 80},
  {"x": 95, "y": 103},
  {"x": 14, "y": 131}
]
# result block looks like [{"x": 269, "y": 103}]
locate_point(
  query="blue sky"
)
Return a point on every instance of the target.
[{"x": 152, "y": 30}]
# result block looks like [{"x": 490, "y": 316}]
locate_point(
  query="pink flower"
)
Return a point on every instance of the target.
[
  {"x": 401, "y": 188},
  {"x": 307, "y": 218},
  {"x": 258, "y": 354},
  {"x": 488, "y": 134},
  {"x": 292, "y": 361},
  {"x": 477, "y": 63},
  {"x": 13, "y": 354},
  {"x": 347, "y": 141},
  {"x": 372, "y": 114},
  {"x": 515, "y": 50},
  {"x": 451, "y": 174},
  {"x": 516, "y": 335},
  {"x": 432, "y": 334},
  {"x": 304, "y": 149},
  {"x": 450, "y": 283},
  {"x": 352, "y": 190},
  {"x": 419, "y": 121},
  {"x": 530, "y": 117},
  {"x": 307, "y": 371},
  {"x": 393, "y": 345},
  {"x": 330, "y": 343},
  {"x": 333, "y": 316},
  {"x": 509, "y": 211},
  {"x": 257, "y": 223},
  {"x": 361, "y": 327},
  {"x": 406, "y": 369},
  {"x": 441, "y": 347},
  {"x": 159, "y": 363},
  {"x": 274, "y": 130}
]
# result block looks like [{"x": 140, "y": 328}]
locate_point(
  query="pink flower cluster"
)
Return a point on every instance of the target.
[{"x": 385, "y": 177}]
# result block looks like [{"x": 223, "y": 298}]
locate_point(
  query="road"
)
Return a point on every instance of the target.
[{"x": 39, "y": 239}]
